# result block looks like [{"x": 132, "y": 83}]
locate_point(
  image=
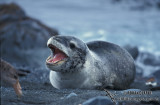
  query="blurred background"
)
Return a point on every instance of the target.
[
  {"x": 134, "y": 22},
  {"x": 123, "y": 22}
]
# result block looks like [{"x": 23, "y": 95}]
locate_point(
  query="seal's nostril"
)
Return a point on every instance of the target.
[{"x": 50, "y": 46}]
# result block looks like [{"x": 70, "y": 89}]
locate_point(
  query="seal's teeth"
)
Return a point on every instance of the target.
[{"x": 54, "y": 56}]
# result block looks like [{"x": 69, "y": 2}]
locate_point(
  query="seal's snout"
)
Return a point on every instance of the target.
[{"x": 56, "y": 56}]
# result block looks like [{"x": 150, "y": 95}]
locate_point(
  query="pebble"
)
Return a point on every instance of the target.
[{"x": 72, "y": 95}]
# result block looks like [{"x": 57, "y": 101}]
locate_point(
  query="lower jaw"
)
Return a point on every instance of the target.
[
  {"x": 54, "y": 64},
  {"x": 47, "y": 61},
  {"x": 55, "y": 68}
]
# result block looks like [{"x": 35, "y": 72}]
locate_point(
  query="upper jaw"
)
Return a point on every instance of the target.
[{"x": 57, "y": 45}]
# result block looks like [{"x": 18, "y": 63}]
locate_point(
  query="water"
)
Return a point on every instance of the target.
[{"x": 99, "y": 20}]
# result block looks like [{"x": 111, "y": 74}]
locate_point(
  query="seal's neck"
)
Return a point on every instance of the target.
[{"x": 90, "y": 59}]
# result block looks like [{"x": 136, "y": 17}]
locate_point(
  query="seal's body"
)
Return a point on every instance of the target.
[{"x": 97, "y": 64}]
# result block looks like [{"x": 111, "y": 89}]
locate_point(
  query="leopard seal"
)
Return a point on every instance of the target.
[{"x": 92, "y": 65}]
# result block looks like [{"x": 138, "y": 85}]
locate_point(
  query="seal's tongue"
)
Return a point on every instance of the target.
[{"x": 57, "y": 56}]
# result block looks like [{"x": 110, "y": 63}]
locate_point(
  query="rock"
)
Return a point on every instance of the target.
[
  {"x": 139, "y": 4},
  {"x": 133, "y": 50},
  {"x": 157, "y": 75},
  {"x": 72, "y": 95},
  {"x": 149, "y": 59},
  {"x": 19, "y": 33},
  {"x": 158, "y": 5},
  {"x": 146, "y": 64},
  {"x": 99, "y": 100},
  {"x": 157, "y": 78}
]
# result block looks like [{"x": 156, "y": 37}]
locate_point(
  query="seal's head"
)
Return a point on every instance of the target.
[{"x": 68, "y": 54}]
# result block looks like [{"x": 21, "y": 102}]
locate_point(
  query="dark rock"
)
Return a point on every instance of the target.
[
  {"x": 133, "y": 50},
  {"x": 99, "y": 100},
  {"x": 158, "y": 5},
  {"x": 139, "y": 4},
  {"x": 149, "y": 59},
  {"x": 19, "y": 33},
  {"x": 157, "y": 75},
  {"x": 155, "y": 88},
  {"x": 11, "y": 12}
]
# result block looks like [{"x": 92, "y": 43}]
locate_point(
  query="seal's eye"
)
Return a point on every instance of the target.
[{"x": 72, "y": 45}]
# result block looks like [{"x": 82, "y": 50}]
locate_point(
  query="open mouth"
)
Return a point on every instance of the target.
[{"x": 57, "y": 55}]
